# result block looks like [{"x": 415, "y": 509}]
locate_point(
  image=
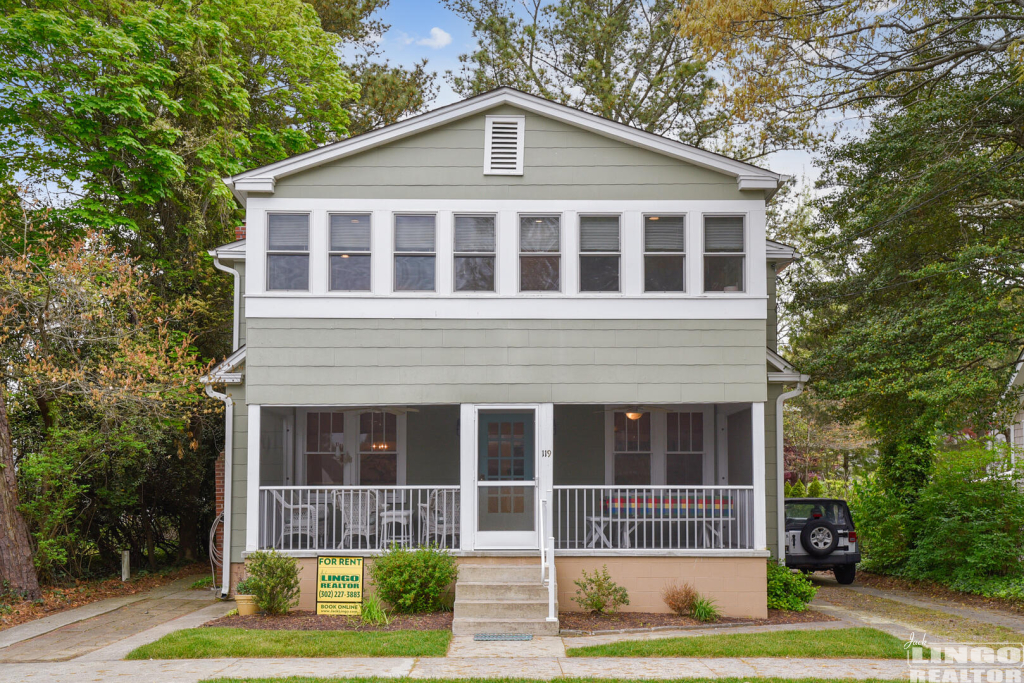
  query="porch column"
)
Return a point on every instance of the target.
[
  {"x": 252, "y": 479},
  {"x": 758, "y": 455},
  {"x": 545, "y": 470},
  {"x": 467, "y": 479}
]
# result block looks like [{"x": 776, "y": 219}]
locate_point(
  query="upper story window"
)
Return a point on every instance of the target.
[
  {"x": 664, "y": 254},
  {"x": 723, "y": 253},
  {"x": 415, "y": 254},
  {"x": 288, "y": 251},
  {"x": 599, "y": 253},
  {"x": 350, "y": 252},
  {"x": 474, "y": 253},
  {"x": 540, "y": 259}
]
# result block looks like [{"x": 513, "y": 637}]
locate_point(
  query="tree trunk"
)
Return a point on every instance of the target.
[
  {"x": 147, "y": 528},
  {"x": 15, "y": 550}
]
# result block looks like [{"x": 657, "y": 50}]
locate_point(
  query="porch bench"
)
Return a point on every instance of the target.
[{"x": 622, "y": 515}]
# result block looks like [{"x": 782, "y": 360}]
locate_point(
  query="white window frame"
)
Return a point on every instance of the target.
[
  {"x": 520, "y": 122},
  {"x": 331, "y": 252},
  {"x": 395, "y": 254},
  {"x": 520, "y": 253},
  {"x": 351, "y": 469},
  {"x": 659, "y": 442},
  {"x": 713, "y": 254},
  {"x": 644, "y": 253},
  {"x": 456, "y": 254},
  {"x": 277, "y": 252},
  {"x": 580, "y": 254}
]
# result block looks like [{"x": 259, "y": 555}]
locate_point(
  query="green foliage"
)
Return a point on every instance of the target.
[
  {"x": 787, "y": 489},
  {"x": 374, "y": 612},
  {"x": 597, "y": 592},
  {"x": 962, "y": 529},
  {"x": 798, "y": 490},
  {"x": 274, "y": 580},
  {"x": 202, "y": 583},
  {"x": 788, "y": 590},
  {"x": 704, "y": 609},
  {"x": 414, "y": 580},
  {"x": 815, "y": 489},
  {"x": 245, "y": 587}
]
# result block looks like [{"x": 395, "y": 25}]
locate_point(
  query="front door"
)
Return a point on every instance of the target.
[{"x": 506, "y": 481}]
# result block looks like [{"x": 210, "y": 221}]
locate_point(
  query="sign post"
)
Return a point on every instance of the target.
[{"x": 339, "y": 585}]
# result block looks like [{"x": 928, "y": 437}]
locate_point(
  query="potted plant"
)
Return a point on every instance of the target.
[{"x": 244, "y": 599}]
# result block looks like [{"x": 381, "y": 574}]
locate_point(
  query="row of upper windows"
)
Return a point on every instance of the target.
[{"x": 475, "y": 253}]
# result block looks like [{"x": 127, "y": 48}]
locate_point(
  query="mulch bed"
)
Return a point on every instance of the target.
[
  {"x": 930, "y": 589},
  {"x": 78, "y": 593},
  {"x": 590, "y": 622},
  {"x": 311, "y": 621}
]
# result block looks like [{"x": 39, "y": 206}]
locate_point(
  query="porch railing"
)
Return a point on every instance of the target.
[
  {"x": 364, "y": 517},
  {"x": 654, "y": 517}
]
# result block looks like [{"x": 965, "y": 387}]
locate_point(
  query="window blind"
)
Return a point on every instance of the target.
[
  {"x": 599, "y": 233},
  {"x": 474, "y": 234},
  {"x": 350, "y": 232},
  {"x": 539, "y": 233},
  {"x": 414, "y": 233},
  {"x": 664, "y": 233},
  {"x": 723, "y": 233},
  {"x": 288, "y": 232}
]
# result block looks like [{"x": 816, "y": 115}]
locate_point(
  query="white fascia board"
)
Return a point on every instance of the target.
[
  {"x": 232, "y": 251},
  {"x": 223, "y": 371},
  {"x": 787, "y": 378},
  {"x": 780, "y": 363},
  {"x": 261, "y": 179}
]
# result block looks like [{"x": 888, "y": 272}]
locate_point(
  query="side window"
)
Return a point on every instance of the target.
[
  {"x": 684, "y": 456},
  {"x": 474, "y": 253},
  {"x": 632, "y": 449},
  {"x": 414, "y": 253},
  {"x": 599, "y": 253},
  {"x": 540, "y": 254},
  {"x": 350, "y": 253},
  {"x": 723, "y": 253},
  {"x": 288, "y": 252},
  {"x": 664, "y": 254}
]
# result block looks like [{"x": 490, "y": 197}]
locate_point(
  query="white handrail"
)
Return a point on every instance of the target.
[{"x": 547, "y": 561}]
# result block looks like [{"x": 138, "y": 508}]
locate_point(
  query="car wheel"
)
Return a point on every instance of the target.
[
  {"x": 819, "y": 538},
  {"x": 845, "y": 573}
]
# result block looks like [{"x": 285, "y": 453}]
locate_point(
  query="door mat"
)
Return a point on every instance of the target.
[{"x": 503, "y": 636}]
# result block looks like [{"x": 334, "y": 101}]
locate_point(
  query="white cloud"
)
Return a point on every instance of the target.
[{"x": 438, "y": 38}]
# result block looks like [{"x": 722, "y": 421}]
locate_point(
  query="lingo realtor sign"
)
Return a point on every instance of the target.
[{"x": 339, "y": 585}]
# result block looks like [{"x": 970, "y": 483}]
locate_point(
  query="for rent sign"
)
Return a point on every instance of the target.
[{"x": 339, "y": 585}]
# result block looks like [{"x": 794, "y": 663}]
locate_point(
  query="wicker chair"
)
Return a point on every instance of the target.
[
  {"x": 359, "y": 510},
  {"x": 440, "y": 517}
]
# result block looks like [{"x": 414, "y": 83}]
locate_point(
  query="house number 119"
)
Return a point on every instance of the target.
[{"x": 545, "y": 454}]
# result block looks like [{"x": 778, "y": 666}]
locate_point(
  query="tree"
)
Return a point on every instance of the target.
[
  {"x": 15, "y": 546},
  {"x": 620, "y": 59}
]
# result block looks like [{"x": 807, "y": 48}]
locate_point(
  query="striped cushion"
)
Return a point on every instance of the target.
[{"x": 633, "y": 507}]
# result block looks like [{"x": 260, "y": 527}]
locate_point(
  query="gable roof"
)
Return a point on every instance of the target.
[
  {"x": 784, "y": 372},
  {"x": 263, "y": 179},
  {"x": 224, "y": 372}
]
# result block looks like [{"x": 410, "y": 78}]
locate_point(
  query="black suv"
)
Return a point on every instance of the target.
[{"x": 820, "y": 535}]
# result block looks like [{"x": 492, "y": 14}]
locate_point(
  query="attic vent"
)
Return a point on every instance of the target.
[{"x": 503, "y": 147}]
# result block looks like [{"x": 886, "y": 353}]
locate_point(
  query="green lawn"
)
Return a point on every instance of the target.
[
  {"x": 203, "y": 643},
  {"x": 831, "y": 643}
]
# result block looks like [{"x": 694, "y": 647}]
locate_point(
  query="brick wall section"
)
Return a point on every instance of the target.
[
  {"x": 218, "y": 484},
  {"x": 240, "y": 232}
]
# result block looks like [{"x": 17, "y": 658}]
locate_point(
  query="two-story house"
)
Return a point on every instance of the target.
[{"x": 522, "y": 332}]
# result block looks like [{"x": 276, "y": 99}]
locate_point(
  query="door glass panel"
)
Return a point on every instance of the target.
[
  {"x": 507, "y": 455},
  {"x": 506, "y": 508}
]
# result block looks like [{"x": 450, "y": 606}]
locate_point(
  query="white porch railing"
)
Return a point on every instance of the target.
[
  {"x": 654, "y": 517},
  {"x": 370, "y": 517}
]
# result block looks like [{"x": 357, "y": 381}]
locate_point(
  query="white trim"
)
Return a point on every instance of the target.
[
  {"x": 467, "y": 479},
  {"x": 758, "y": 455},
  {"x": 237, "y": 298},
  {"x": 520, "y": 123},
  {"x": 780, "y": 471},
  {"x": 252, "y": 483},
  {"x": 748, "y": 176},
  {"x": 588, "y": 552},
  {"x": 223, "y": 370},
  {"x": 659, "y": 442}
]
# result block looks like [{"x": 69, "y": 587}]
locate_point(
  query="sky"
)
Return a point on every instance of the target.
[{"x": 426, "y": 29}]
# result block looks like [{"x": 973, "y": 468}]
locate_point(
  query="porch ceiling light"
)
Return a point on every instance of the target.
[{"x": 634, "y": 416}]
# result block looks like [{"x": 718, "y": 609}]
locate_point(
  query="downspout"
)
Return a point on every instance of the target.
[
  {"x": 238, "y": 300},
  {"x": 229, "y": 413},
  {"x": 780, "y": 467}
]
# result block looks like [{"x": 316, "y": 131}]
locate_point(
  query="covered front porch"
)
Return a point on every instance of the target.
[{"x": 484, "y": 478}]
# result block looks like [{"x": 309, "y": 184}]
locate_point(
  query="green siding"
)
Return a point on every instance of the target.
[
  {"x": 772, "y": 322},
  {"x": 239, "y": 465},
  {"x": 771, "y": 479},
  {"x": 560, "y": 162},
  {"x": 360, "y": 362}
]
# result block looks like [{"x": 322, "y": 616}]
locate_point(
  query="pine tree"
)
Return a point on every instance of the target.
[
  {"x": 815, "y": 490},
  {"x": 788, "y": 489},
  {"x": 798, "y": 490}
]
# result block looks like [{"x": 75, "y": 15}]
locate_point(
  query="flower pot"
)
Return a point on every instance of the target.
[{"x": 246, "y": 605}]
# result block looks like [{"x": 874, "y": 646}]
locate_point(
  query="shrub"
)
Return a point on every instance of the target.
[
  {"x": 244, "y": 587},
  {"x": 679, "y": 598},
  {"x": 815, "y": 490},
  {"x": 798, "y": 490},
  {"x": 274, "y": 580},
  {"x": 201, "y": 583},
  {"x": 598, "y": 593},
  {"x": 704, "y": 609},
  {"x": 788, "y": 591},
  {"x": 374, "y": 612},
  {"x": 414, "y": 580},
  {"x": 787, "y": 489}
]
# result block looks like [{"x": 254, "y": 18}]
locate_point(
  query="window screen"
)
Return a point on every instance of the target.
[
  {"x": 723, "y": 253},
  {"x": 414, "y": 253},
  {"x": 664, "y": 253},
  {"x": 474, "y": 253},
  {"x": 288, "y": 251},
  {"x": 539, "y": 258},
  {"x": 599, "y": 253},
  {"x": 350, "y": 252}
]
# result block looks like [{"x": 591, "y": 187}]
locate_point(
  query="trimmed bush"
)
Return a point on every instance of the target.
[
  {"x": 598, "y": 593},
  {"x": 273, "y": 580},
  {"x": 815, "y": 490},
  {"x": 414, "y": 580},
  {"x": 679, "y": 598},
  {"x": 798, "y": 490},
  {"x": 787, "y": 590},
  {"x": 787, "y": 489}
]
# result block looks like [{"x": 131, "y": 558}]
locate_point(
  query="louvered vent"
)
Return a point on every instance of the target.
[{"x": 503, "y": 153}]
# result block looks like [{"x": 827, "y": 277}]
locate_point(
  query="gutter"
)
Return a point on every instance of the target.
[
  {"x": 780, "y": 466},
  {"x": 229, "y": 414},
  {"x": 238, "y": 300}
]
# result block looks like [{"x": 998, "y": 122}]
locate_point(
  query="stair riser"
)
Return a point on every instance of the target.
[
  {"x": 501, "y": 610},
  {"x": 469, "y": 627},
  {"x": 485, "y": 573},
  {"x": 509, "y": 592}
]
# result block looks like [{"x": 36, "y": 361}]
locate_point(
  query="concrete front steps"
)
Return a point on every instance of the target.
[{"x": 499, "y": 598}]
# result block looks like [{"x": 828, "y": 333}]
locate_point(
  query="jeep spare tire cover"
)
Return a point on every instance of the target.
[{"x": 819, "y": 537}]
